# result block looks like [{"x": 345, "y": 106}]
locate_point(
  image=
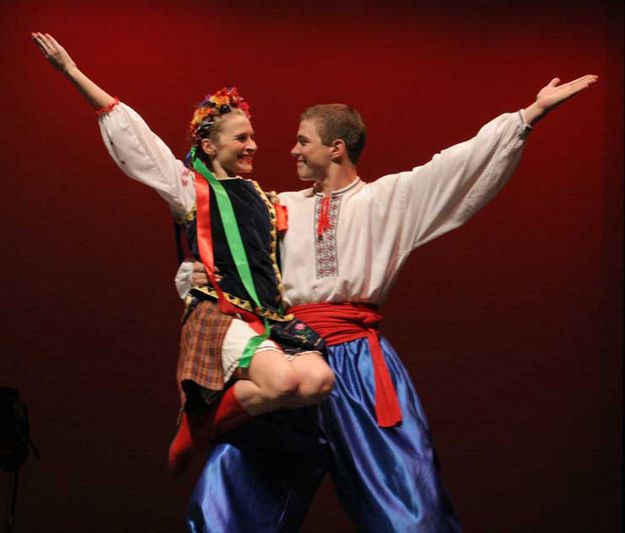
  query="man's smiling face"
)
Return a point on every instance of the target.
[{"x": 311, "y": 155}]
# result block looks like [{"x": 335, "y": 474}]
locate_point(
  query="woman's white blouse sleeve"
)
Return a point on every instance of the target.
[{"x": 144, "y": 157}]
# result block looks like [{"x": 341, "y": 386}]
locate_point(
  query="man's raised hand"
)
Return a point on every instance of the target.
[{"x": 553, "y": 94}]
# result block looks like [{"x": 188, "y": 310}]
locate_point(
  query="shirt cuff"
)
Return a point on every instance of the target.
[
  {"x": 183, "y": 279},
  {"x": 525, "y": 124}
]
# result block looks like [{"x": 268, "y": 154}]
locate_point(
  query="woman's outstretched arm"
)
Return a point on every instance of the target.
[
  {"x": 61, "y": 60},
  {"x": 136, "y": 149}
]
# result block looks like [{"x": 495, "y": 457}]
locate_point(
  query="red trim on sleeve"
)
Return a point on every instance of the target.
[{"x": 107, "y": 108}]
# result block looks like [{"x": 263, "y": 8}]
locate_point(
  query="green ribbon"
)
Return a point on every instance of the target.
[{"x": 237, "y": 249}]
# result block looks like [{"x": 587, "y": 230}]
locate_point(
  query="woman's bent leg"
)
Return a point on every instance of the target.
[
  {"x": 315, "y": 377},
  {"x": 268, "y": 384},
  {"x": 272, "y": 382}
]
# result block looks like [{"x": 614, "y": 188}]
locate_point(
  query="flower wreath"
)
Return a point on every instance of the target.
[{"x": 221, "y": 102}]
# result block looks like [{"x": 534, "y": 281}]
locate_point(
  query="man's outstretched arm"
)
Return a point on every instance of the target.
[{"x": 446, "y": 192}]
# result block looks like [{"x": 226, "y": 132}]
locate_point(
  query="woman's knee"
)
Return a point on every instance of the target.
[
  {"x": 317, "y": 383},
  {"x": 283, "y": 383}
]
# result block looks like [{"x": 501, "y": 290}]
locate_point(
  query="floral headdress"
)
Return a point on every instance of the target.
[{"x": 214, "y": 105}]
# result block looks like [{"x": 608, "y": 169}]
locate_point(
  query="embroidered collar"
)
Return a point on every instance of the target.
[{"x": 339, "y": 192}]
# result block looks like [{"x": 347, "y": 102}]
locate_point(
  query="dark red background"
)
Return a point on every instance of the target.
[{"x": 511, "y": 327}]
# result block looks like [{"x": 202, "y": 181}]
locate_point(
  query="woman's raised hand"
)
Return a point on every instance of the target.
[
  {"x": 53, "y": 52},
  {"x": 61, "y": 60}
]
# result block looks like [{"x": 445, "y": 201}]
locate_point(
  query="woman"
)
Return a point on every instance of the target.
[{"x": 227, "y": 332}]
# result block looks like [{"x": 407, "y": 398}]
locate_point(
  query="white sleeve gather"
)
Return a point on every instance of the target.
[
  {"x": 144, "y": 157},
  {"x": 443, "y": 194},
  {"x": 183, "y": 279}
]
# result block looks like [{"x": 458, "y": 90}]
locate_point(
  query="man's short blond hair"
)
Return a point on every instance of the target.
[{"x": 339, "y": 121}]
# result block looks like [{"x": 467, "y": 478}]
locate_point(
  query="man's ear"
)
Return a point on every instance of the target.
[
  {"x": 338, "y": 150},
  {"x": 208, "y": 147}
]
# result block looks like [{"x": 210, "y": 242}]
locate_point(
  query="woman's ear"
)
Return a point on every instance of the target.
[{"x": 208, "y": 147}]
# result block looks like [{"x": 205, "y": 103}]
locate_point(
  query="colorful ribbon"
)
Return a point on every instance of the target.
[{"x": 237, "y": 249}]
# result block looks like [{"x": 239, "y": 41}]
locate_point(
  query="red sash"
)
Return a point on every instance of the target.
[{"x": 338, "y": 323}]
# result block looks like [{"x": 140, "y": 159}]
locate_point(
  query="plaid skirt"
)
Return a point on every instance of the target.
[{"x": 200, "y": 370}]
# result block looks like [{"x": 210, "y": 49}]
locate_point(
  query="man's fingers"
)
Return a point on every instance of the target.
[
  {"x": 588, "y": 78},
  {"x": 582, "y": 83},
  {"x": 200, "y": 277},
  {"x": 581, "y": 87}
]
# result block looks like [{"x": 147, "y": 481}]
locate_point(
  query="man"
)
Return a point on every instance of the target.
[{"x": 344, "y": 247}]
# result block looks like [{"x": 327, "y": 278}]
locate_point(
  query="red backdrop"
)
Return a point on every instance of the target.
[{"x": 510, "y": 327}]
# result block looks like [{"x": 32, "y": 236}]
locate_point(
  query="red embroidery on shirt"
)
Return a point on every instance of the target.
[
  {"x": 326, "y": 257},
  {"x": 323, "y": 219}
]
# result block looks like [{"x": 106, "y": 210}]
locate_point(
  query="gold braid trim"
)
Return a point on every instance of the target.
[
  {"x": 243, "y": 304},
  {"x": 189, "y": 217},
  {"x": 274, "y": 237}
]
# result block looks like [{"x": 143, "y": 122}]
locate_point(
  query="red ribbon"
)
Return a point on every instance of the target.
[
  {"x": 282, "y": 217},
  {"x": 338, "y": 323}
]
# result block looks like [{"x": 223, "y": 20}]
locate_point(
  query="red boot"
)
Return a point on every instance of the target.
[
  {"x": 230, "y": 414},
  {"x": 196, "y": 431},
  {"x": 192, "y": 437}
]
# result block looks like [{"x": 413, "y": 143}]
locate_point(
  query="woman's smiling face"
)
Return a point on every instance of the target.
[{"x": 234, "y": 145}]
